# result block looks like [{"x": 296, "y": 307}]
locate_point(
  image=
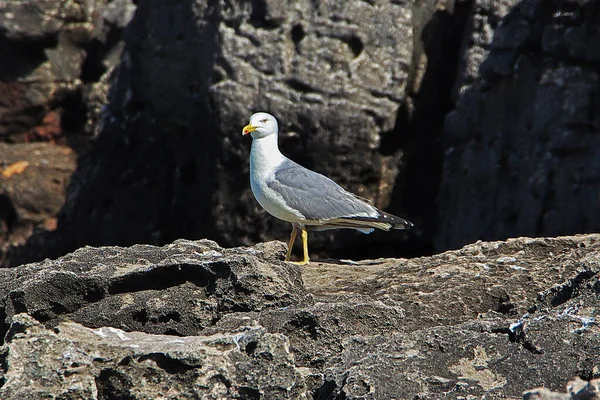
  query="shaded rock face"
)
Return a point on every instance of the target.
[
  {"x": 52, "y": 89},
  {"x": 522, "y": 150},
  {"x": 32, "y": 195},
  {"x": 171, "y": 132},
  {"x": 492, "y": 319},
  {"x": 57, "y": 50}
]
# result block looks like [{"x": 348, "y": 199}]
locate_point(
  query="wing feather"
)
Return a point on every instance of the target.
[
  {"x": 323, "y": 202},
  {"x": 317, "y": 197}
]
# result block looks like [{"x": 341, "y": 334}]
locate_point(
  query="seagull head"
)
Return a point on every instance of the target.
[{"x": 261, "y": 125}]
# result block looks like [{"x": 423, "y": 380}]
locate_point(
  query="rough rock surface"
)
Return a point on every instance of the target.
[
  {"x": 577, "y": 389},
  {"x": 108, "y": 363},
  {"x": 141, "y": 288},
  {"x": 193, "y": 319},
  {"x": 522, "y": 150}
]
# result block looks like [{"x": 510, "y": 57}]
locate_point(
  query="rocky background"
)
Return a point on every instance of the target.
[{"x": 475, "y": 119}]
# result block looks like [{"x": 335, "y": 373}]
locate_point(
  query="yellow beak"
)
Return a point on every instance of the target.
[{"x": 248, "y": 128}]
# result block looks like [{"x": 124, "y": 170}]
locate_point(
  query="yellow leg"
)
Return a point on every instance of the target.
[
  {"x": 304, "y": 247},
  {"x": 288, "y": 256}
]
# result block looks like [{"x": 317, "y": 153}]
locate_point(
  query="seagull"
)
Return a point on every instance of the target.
[{"x": 304, "y": 198}]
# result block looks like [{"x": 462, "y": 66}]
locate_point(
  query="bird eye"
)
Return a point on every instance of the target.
[{"x": 264, "y": 121}]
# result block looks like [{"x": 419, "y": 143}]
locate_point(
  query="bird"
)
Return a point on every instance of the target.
[{"x": 305, "y": 198}]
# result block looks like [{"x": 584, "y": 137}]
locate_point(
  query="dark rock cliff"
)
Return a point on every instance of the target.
[
  {"x": 53, "y": 82},
  {"x": 522, "y": 149},
  {"x": 475, "y": 119}
]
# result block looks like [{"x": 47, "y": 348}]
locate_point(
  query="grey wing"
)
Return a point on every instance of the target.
[{"x": 317, "y": 197}]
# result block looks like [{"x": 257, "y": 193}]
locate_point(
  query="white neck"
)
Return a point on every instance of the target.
[{"x": 264, "y": 154}]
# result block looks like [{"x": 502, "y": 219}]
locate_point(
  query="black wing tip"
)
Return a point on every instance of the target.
[
  {"x": 396, "y": 222},
  {"x": 393, "y": 221},
  {"x": 405, "y": 224}
]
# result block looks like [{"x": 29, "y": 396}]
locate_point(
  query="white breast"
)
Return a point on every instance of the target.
[{"x": 264, "y": 158}]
